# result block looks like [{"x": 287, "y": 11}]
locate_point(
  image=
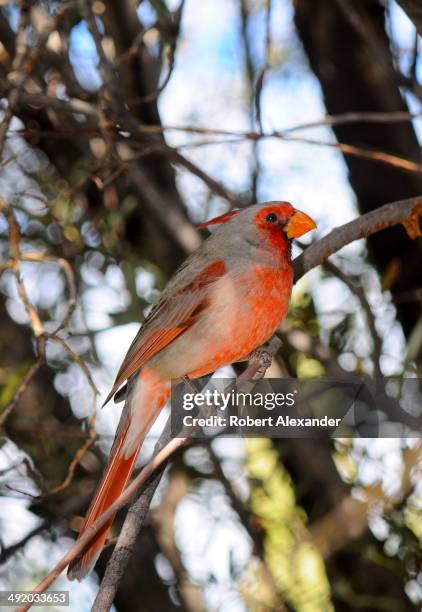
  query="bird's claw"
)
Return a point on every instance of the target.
[{"x": 262, "y": 356}]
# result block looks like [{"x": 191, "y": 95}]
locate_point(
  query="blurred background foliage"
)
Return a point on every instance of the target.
[{"x": 124, "y": 123}]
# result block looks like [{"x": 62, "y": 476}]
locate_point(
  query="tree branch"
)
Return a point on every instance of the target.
[
  {"x": 406, "y": 212},
  {"x": 11, "y": 550}
]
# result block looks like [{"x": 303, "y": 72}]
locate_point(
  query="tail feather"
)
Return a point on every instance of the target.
[
  {"x": 116, "y": 475},
  {"x": 142, "y": 408}
]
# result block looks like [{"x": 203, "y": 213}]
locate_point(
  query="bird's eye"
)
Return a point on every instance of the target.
[{"x": 271, "y": 218}]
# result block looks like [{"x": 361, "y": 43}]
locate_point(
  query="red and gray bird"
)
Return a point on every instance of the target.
[{"x": 227, "y": 299}]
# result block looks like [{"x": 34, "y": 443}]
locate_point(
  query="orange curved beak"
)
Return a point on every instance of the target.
[{"x": 299, "y": 224}]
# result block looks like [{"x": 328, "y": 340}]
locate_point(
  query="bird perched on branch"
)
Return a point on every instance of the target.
[{"x": 226, "y": 300}]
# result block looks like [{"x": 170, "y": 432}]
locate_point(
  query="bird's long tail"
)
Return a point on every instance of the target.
[{"x": 137, "y": 418}]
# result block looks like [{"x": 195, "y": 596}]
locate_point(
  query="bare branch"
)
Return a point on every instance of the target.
[
  {"x": 261, "y": 75},
  {"x": 34, "y": 319},
  {"x": 11, "y": 550},
  {"x": 107, "y": 71},
  {"x": 131, "y": 125},
  {"x": 92, "y": 436},
  {"x": 163, "y": 519},
  {"x": 214, "y": 186},
  {"x": 386, "y": 216},
  {"x": 18, "y": 70},
  {"x": 168, "y": 215},
  {"x": 21, "y": 390},
  {"x": 176, "y": 18},
  {"x": 41, "y": 336},
  {"x": 359, "y": 292}
]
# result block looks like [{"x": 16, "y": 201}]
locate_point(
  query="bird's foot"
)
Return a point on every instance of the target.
[{"x": 261, "y": 356}]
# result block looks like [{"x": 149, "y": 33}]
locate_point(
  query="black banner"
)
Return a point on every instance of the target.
[{"x": 306, "y": 408}]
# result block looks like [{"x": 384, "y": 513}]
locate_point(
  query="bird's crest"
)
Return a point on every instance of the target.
[{"x": 220, "y": 219}]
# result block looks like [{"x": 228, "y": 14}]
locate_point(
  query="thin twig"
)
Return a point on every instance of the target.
[
  {"x": 41, "y": 336},
  {"x": 77, "y": 358},
  {"x": 108, "y": 73},
  {"x": 356, "y": 117},
  {"x": 261, "y": 75},
  {"x": 380, "y": 156},
  {"x": 11, "y": 550},
  {"x": 69, "y": 275},
  {"x": 92, "y": 436},
  {"x": 82, "y": 107},
  {"x": 14, "y": 245},
  {"x": 359, "y": 292},
  {"x": 171, "y": 55},
  {"x": 18, "y": 69},
  {"x": 21, "y": 390},
  {"x": 163, "y": 521},
  {"x": 127, "y": 124},
  {"x": 251, "y": 87},
  {"x": 34, "y": 319},
  {"x": 214, "y": 185}
]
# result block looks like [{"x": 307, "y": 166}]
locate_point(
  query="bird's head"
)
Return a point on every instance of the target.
[
  {"x": 272, "y": 218},
  {"x": 274, "y": 223}
]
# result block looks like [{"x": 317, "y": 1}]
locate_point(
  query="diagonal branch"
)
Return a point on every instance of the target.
[{"x": 404, "y": 212}]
